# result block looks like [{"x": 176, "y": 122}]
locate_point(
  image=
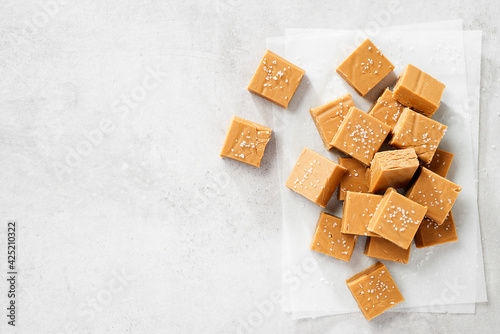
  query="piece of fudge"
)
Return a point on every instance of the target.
[
  {"x": 354, "y": 179},
  {"x": 441, "y": 162},
  {"x": 360, "y": 135},
  {"x": 417, "y": 131},
  {"x": 365, "y": 68},
  {"x": 329, "y": 240},
  {"x": 435, "y": 192},
  {"x": 383, "y": 249},
  {"x": 315, "y": 177},
  {"x": 374, "y": 290},
  {"x": 276, "y": 79},
  {"x": 430, "y": 234},
  {"x": 397, "y": 218},
  {"x": 329, "y": 116},
  {"x": 418, "y": 90},
  {"x": 245, "y": 141},
  {"x": 392, "y": 169},
  {"x": 357, "y": 211},
  {"x": 387, "y": 109}
]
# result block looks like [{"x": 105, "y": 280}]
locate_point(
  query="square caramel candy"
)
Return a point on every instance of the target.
[
  {"x": 360, "y": 135},
  {"x": 374, "y": 290},
  {"x": 357, "y": 211},
  {"x": 315, "y": 177},
  {"x": 420, "y": 132},
  {"x": 329, "y": 240},
  {"x": 441, "y": 162},
  {"x": 245, "y": 141},
  {"x": 418, "y": 90},
  {"x": 435, "y": 192},
  {"x": 365, "y": 68},
  {"x": 392, "y": 169},
  {"x": 276, "y": 79},
  {"x": 383, "y": 249},
  {"x": 328, "y": 117},
  {"x": 386, "y": 109},
  {"x": 397, "y": 218},
  {"x": 430, "y": 234},
  {"x": 354, "y": 179}
]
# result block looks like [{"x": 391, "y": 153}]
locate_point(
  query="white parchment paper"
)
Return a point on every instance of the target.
[{"x": 435, "y": 276}]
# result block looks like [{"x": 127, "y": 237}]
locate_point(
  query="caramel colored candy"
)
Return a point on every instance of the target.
[
  {"x": 417, "y": 131},
  {"x": 328, "y": 240},
  {"x": 397, "y": 218},
  {"x": 315, "y": 177},
  {"x": 276, "y": 79},
  {"x": 360, "y": 135},
  {"x": 245, "y": 141},
  {"x": 441, "y": 162},
  {"x": 386, "y": 109},
  {"x": 435, "y": 192},
  {"x": 365, "y": 68},
  {"x": 374, "y": 290},
  {"x": 354, "y": 179},
  {"x": 383, "y": 249},
  {"x": 430, "y": 234},
  {"x": 357, "y": 211},
  {"x": 329, "y": 116},
  {"x": 418, "y": 90},
  {"x": 392, "y": 169}
]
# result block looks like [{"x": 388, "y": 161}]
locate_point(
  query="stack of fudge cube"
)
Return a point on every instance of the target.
[{"x": 390, "y": 196}]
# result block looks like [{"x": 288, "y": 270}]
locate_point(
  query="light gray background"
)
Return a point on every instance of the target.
[{"x": 147, "y": 229}]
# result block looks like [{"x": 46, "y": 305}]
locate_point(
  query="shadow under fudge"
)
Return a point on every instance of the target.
[
  {"x": 447, "y": 116},
  {"x": 375, "y": 92},
  {"x": 304, "y": 89}
]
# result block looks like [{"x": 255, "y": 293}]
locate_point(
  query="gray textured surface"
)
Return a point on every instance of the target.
[{"x": 194, "y": 240}]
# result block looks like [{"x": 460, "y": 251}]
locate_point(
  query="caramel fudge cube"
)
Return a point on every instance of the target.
[
  {"x": 328, "y": 117},
  {"x": 354, "y": 179},
  {"x": 374, "y": 290},
  {"x": 383, "y": 249},
  {"x": 392, "y": 169},
  {"x": 329, "y": 240},
  {"x": 365, "y": 68},
  {"x": 418, "y": 90},
  {"x": 430, "y": 234},
  {"x": 386, "y": 109},
  {"x": 441, "y": 162},
  {"x": 417, "y": 131},
  {"x": 245, "y": 141},
  {"x": 397, "y": 218},
  {"x": 276, "y": 79},
  {"x": 357, "y": 211},
  {"x": 435, "y": 192},
  {"x": 360, "y": 135},
  {"x": 315, "y": 177}
]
